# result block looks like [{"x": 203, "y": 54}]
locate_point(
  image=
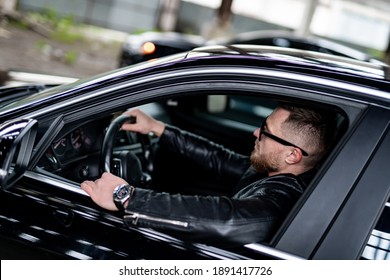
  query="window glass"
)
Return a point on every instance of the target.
[
  {"x": 378, "y": 245},
  {"x": 248, "y": 110},
  {"x": 246, "y": 105}
]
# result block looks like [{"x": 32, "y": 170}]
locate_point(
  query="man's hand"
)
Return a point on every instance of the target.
[
  {"x": 144, "y": 123},
  {"x": 101, "y": 190}
]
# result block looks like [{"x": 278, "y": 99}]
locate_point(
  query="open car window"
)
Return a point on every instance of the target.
[{"x": 76, "y": 152}]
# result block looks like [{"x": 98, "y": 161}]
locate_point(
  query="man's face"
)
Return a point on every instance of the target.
[{"x": 267, "y": 156}]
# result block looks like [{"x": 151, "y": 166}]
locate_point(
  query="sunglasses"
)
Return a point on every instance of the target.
[{"x": 277, "y": 139}]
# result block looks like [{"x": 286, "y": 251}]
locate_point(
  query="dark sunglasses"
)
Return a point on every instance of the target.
[{"x": 277, "y": 139}]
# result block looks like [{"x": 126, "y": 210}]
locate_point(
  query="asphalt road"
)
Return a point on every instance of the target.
[{"x": 28, "y": 51}]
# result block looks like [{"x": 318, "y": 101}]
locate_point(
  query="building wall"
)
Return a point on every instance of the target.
[
  {"x": 135, "y": 15},
  {"x": 139, "y": 15},
  {"x": 194, "y": 18},
  {"x": 122, "y": 15}
]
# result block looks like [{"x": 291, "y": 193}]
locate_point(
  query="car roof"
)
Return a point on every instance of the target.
[
  {"x": 315, "y": 60},
  {"x": 349, "y": 72}
]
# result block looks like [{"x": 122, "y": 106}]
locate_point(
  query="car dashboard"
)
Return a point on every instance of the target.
[{"x": 75, "y": 154}]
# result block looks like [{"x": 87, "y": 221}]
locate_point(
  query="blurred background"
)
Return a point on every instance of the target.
[{"x": 86, "y": 37}]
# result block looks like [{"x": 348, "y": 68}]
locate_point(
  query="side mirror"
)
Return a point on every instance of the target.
[{"x": 16, "y": 143}]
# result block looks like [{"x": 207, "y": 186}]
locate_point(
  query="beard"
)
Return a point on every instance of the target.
[{"x": 264, "y": 163}]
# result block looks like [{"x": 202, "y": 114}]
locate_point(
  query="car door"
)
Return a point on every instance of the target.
[
  {"x": 72, "y": 223},
  {"x": 336, "y": 220}
]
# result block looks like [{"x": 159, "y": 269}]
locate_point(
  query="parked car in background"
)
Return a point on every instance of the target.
[
  {"x": 151, "y": 45},
  {"x": 56, "y": 137},
  {"x": 288, "y": 39}
]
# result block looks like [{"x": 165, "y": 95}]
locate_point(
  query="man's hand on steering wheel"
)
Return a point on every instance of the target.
[
  {"x": 126, "y": 164},
  {"x": 144, "y": 123}
]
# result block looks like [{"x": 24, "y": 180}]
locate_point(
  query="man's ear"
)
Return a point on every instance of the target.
[{"x": 294, "y": 156}]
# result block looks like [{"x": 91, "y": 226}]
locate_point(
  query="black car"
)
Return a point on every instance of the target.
[
  {"x": 152, "y": 45},
  {"x": 288, "y": 39},
  {"x": 56, "y": 137}
]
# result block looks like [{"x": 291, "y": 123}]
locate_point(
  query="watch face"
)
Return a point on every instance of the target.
[
  {"x": 122, "y": 191},
  {"x": 121, "y": 194}
]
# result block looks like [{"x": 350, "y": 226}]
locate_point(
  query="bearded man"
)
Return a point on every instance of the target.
[{"x": 288, "y": 147}]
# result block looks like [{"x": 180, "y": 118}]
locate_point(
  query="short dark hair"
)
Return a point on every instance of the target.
[{"x": 315, "y": 126}]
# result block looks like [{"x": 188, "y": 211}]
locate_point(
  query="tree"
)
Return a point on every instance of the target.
[
  {"x": 310, "y": 8},
  {"x": 7, "y": 6},
  {"x": 168, "y": 14},
  {"x": 387, "y": 53},
  {"x": 221, "y": 25}
]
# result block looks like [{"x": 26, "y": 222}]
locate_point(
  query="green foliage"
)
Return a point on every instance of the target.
[
  {"x": 63, "y": 30},
  {"x": 63, "y": 27},
  {"x": 71, "y": 57},
  {"x": 19, "y": 24},
  {"x": 377, "y": 53},
  {"x": 41, "y": 44}
]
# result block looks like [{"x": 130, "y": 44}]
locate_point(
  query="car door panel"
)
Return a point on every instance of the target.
[
  {"x": 306, "y": 227},
  {"x": 51, "y": 222},
  {"x": 357, "y": 218}
]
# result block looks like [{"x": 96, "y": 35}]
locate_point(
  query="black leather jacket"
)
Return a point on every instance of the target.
[{"x": 252, "y": 214}]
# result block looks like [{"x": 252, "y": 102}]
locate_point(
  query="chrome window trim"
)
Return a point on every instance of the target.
[
  {"x": 222, "y": 71},
  {"x": 270, "y": 251},
  {"x": 55, "y": 182}
]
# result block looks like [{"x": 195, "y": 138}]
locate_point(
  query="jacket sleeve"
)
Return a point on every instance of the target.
[
  {"x": 213, "y": 219},
  {"x": 214, "y": 157}
]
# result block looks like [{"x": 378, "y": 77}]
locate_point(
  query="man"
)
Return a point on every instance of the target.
[{"x": 288, "y": 146}]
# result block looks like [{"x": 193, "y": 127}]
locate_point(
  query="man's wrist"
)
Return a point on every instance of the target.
[
  {"x": 121, "y": 195},
  {"x": 159, "y": 128}
]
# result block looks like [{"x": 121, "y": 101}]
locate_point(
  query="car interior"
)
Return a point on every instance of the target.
[{"x": 81, "y": 152}]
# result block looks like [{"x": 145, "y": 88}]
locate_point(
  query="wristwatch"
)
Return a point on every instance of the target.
[{"x": 122, "y": 193}]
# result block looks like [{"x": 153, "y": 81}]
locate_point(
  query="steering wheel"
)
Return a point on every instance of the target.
[{"x": 126, "y": 164}]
